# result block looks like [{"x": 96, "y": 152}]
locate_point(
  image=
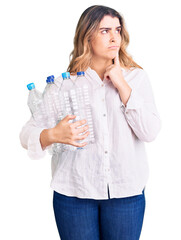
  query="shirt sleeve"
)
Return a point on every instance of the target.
[
  {"x": 30, "y": 139},
  {"x": 141, "y": 112}
]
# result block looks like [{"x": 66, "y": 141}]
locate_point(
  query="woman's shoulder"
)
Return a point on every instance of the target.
[
  {"x": 138, "y": 72},
  {"x": 136, "y": 76}
]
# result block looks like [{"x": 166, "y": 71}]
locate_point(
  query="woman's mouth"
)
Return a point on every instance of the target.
[{"x": 113, "y": 47}]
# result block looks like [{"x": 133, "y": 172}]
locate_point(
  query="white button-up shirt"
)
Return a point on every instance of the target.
[{"x": 117, "y": 160}]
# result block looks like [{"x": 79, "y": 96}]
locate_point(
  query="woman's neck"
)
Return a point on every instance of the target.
[{"x": 100, "y": 66}]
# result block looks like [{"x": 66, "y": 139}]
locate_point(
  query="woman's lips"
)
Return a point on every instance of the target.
[{"x": 113, "y": 47}]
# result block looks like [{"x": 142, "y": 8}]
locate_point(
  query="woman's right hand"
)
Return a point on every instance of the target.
[
  {"x": 65, "y": 132},
  {"x": 68, "y": 133}
]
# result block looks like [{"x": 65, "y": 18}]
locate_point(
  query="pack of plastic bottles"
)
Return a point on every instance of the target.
[{"x": 56, "y": 102}]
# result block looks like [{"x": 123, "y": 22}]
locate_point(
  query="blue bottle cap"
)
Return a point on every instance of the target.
[
  {"x": 30, "y": 86},
  {"x": 50, "y": 79},
  {"x": 66, "y": 75},
  {"x": 80, "y": 73}
]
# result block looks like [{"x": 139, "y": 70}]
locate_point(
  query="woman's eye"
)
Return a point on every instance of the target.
[
  {"x": 118, "y": 30},
  {"x": 106, "y": 31}
]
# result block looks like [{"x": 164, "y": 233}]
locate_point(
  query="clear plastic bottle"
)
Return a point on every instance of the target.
[
  {"x": 36, "y": 105},
  {"x": 84, "y": 92},
  {"x": 51, "y": 101},
  {"x": 67, "y": 95},
  {"x": 52, "y": 105},
  {"x": 48, "y": 81}
]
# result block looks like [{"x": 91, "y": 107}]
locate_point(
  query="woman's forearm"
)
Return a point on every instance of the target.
[{"x": 124, "y": 92}]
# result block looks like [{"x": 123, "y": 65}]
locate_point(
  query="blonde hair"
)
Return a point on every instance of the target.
[{"x": 88, "y": 25}]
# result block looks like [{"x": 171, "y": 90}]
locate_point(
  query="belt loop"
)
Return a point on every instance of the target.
[{"x": 108, "y": 191}]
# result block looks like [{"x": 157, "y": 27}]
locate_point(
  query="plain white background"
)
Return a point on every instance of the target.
[{"x": 36, "y": 40}]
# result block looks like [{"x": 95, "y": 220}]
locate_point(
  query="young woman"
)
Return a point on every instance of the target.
[{"x": 99, "y": 191}]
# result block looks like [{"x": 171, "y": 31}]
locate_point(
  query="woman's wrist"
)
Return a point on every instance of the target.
[{"x": 47, "y": 137}]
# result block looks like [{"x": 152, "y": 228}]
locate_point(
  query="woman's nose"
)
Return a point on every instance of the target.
[{"x": 112, "y": 38}]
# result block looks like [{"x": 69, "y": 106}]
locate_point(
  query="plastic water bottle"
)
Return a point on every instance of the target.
[
  {"x": 51, "y": 101},
  {"x": 48, "y": 81},
  {"x": 66, "y": 98},
  {"x": 53, "y": 108},
  {"x": 36, "y": 106},
  {"x": 84, "y": 92}
]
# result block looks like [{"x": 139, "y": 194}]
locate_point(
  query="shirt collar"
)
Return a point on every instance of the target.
[
  {"x": 94, "y": 74},
  {"x": 90, "y": 69}
]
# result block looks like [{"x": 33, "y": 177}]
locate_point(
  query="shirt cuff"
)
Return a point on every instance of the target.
[
  {"x": 135, "y": 101},
  {"x": 35, "y": 150}
]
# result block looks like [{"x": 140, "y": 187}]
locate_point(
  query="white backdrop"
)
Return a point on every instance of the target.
[{"x": 36, "y": 40}]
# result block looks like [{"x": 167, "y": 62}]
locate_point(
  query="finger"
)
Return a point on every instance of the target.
[
  {"x": 68, "y": 117},
  {"x": 82, "y": 129},
  {"x": 82, "y": 137},
  {"x": 116, "y": 59},
  {"x": 79, "y": 123},
  {"x": 79, "y": 144},
  {"x": 107, "y": 72},
  {"x": 106, "y": 75}
]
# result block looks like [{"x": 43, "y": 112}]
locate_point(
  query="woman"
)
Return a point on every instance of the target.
[{"x": 99, "y": 192}]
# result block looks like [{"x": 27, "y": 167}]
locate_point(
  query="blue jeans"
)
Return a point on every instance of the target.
[{"x": 91, "y": 219}]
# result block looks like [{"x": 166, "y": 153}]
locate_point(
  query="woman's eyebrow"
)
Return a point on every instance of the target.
[{"x": 106, "y": 28}]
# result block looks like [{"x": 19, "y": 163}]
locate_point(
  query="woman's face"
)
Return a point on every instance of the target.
[{"x": 107, "y": 41}]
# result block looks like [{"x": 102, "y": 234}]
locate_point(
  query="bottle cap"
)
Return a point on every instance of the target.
[
  {"x": 30, "y": 86},
  {"x": 80, "y": 73},
  {"x": 66, "y": 75},
  {"x": 50, "y": 79}
]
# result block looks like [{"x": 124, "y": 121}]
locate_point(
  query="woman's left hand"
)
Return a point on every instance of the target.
[{"x": 114, "y": 73}]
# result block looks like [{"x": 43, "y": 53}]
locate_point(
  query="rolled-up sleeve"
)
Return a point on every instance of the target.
[
  {"x": 141, "y": 112},
  {"x": 30, "y": 139}
]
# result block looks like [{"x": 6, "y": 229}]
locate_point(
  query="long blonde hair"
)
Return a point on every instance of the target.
[{"x": 88, "y": 24}]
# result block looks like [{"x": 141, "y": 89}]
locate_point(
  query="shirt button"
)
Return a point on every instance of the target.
[
  {"x": 107, "y": 170},
  {"x": 104, "y": 114},
  {"x": 103, "y": 99},
  {"x": 106, "y": 152},
  {"x": 102, "y": 85}
]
